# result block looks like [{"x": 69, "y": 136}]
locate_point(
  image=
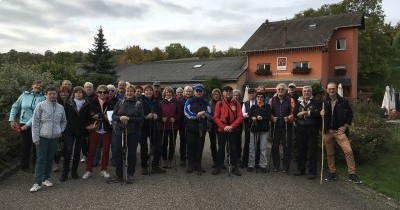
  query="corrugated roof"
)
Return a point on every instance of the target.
[
  {"x": 299, "y": 33},
  {"x": 226, "y": 69}
]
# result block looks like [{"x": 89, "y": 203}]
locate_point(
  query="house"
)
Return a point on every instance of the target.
[
  {"x": 305, "y": 51},
  {"x": 182, "y": 72}
]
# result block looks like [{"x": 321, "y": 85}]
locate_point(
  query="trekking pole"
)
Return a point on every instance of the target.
[
  {"x": 286, "y": 131},
  {"x": 124, "y": 152},
  {"x": 229, "y": 156},
  {"x": 322, "y": 143},
  {"x": 151, "y": 148},
  {"x": 174, "y": 144},
  {"x": 162, "y": 138},
  {"x": 256, "y": 141},
  {"x": 272, "y": 145}
]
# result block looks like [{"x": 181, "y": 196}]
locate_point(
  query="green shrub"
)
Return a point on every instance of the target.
[
  {"x": 10, "y": 145},
  {"x": 368, "y": 132}
]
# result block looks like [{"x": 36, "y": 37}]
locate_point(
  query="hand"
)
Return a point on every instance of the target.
[
  {"x": 228, "y": 128},
  {"x": 254, "y": 118},
  {"x": 341, "y": 130},
  {"x": 13, "y": 124},
  {"x": 200, "y": 114},
  {"x": 96, "y": 116},
  {"x": 149, "y": 116},
  {"x": 172, "y": 120},
  {"x": 259, "y": 117},
  {"x": 36, "y": 143},
  {"x": 155, "y": 116},
  {"x": 164, "y": 119},
  {"x": 286, "y": 119},
  {"x": 25, "y": 127},
  {"x": 322, "y": 112},
  {"x": 300, "y": 114},
  {"x": 124, "y": 119},
  {"x": 274, "y": 119}
]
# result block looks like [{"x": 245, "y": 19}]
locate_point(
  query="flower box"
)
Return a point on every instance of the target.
[{"x": 301, "y": 70}]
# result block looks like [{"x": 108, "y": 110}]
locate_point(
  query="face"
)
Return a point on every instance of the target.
[
  {"x": 139, "y": 92},
  {"x": 78, "y": 95},
  {"x": 129, "y": 93},
  {"x": 88, "y": 89},
  {"x": 64, "y": 95},
  {"x": 179, "y": 93},
  {"x": 67, "y": 83},
  {"x": 292, "y": 89},
  {"x": 281, "y": 90},
  {"x": 331, "y": 90},
  {"x": 216, "y": 96},
  {"x": 188, "y": 93},
  {"x": 228, "y": 94},
  {"x": 111, "y": 92},
  {"x": 37, "y": 88},
  {"x": 168, "y": 94},
  {"x": 121, "y": 86},
  {"x": 148, "y": 92},
  {"x": 236, "y": 96},
  {"x": 306, "y": 93},
  {"x": 252, "y": 96},
  {"x": 51, "y": 96},
  {"x": 260, "y": 99},
  {"x": 102, "y": 94},
  {"x": 198, "y": 93},
  {"x": 156, "y": 87}
]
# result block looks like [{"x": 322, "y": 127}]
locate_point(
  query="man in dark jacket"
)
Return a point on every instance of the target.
[
  {"x": 228, "y": 117},
  {"x": 338, "y": 116},
  {"x": 307, "y": 116}
]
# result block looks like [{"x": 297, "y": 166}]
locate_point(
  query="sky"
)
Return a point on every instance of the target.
[{"x": 60, "y": 25}]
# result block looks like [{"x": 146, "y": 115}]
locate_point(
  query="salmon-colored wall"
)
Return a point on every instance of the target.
[{"x": 313, "y": 56}]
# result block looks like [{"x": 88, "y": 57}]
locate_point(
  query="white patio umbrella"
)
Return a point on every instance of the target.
[
  {"x": 340, "y": 90},
  {"x": 386, "y": 100},
  {"x": 246, "y": 94}
]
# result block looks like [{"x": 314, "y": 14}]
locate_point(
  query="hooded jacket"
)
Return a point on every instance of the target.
[{"x": 24, "y": 106}]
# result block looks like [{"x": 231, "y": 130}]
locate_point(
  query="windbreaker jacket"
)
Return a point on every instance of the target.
[
  {"x": 193, "y": 106},
  {"x": 76, "y": 120},
  {"x": 228, "y": 113},
  {"x": 170, "y": 109},
  {"x": 48, "y": 121},
  {"x": 100, "y": 115},
  {"x": 132, "y": 109},
  {"x": 265, "y": 113},
  {"x": 24, "y": 106}
]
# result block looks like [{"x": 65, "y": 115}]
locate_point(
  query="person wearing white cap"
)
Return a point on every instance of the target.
[{"x": 292, "y": 91}]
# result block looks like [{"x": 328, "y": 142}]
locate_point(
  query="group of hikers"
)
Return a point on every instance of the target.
[{"x": 85, "y": 123}]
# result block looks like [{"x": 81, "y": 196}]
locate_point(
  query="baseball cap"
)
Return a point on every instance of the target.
[
  {"x": 292, "y": 85},
  {"x": 198, "y": 87}
]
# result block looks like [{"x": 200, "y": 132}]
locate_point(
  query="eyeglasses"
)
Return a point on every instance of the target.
[
  {"x": 260, "y": 96},
  {"x": 198, "y": 90},
  {"x": 280, "y": 89},
  {"x": 111, "y": 91},
  {"x": 102, "y": 92}
]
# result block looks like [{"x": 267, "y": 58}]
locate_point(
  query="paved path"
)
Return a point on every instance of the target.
[{"x": 178, "y": 190}]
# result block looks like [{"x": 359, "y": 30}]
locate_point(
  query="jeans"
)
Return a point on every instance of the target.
[{"x": 45, "y": 156}]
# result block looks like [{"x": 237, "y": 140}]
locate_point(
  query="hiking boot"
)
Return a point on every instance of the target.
[
  {"x": 104, "y": 174},
  {"x": 312, "y": 176},
  {"x": 55, "y": 168},
  {"x": 275, "y": 170},
  {"x": 130, "y": 180},
  {"x": 87, "y": 175},
  {"x": 236, "y": 171},
  {"x": 250, "y": 169},
  {"x": 183, "y": 163},
  {"x": 83, "y": 159},
  {"x": 114, "y": 180},
  {"x": 243, "y": 165},
  {"x": 355, "y": 179},
  {"x": 264, "y": 170},
  {"x": 74, "y": 175},
  {"x": 35, "y": 187},
  {"x": 189, "y": 169},
  {"x": 145, "y": 171},
  {"x": 158, "y": 170},
  {"x": 299, "y": 173},
  {"x": 216, "y": 171},
  {"x": 47, "y": 183},
  {"x": 63, "y": 178},
  {"x": 331, "y": 177}
]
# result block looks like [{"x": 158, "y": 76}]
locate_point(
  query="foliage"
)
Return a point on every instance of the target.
[
  {"x": 368, "y": 132},
  {"x": 176, "y": 50},
  {"x": 318, "y": 90},
  {"x": 157, "y": 54},
  {"x": 203, "y": 52},
  {"x": 212, "y": 83},
  {"x": 132, "y": 54},
  {"x": 9, "y": 145},
  {"x": 100, "y": 56}
]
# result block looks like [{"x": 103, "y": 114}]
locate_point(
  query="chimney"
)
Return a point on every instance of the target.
[
  {"x": 266, "y": 21},
  {"x": 284, "y": 36}
]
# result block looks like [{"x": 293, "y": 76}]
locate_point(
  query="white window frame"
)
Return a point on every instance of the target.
[{"x": 338, "y": 43}]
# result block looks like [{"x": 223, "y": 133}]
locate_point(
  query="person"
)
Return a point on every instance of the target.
[
  {"x": 112, "y": 94},
  {"x": 157, "y": 90},
  {"x": 212, "y": 127},
  {"x": 188, "y": 93},
  {"x": 150, "y": 129},
  {"x": 196, "y": 110},
  {"x": 170, "y": 113},
  {"x": 121, "y": 89},
  {"x": 282, "y": 107},
  {"x": 99, "y": 130},
  {"x": 48, "y": 123},
  {"x": 179, "y": 93},
  {"x": 67, "y": 83},
  {"x": 228, "y": 117},
  {"x": 64, "y": 93},
  {"x": 292, "y": 92},
  {"x": 90, "y": 95},
  {"x": 237, "y": 95},
  {"x": 89, "y": 89},
  {"x": 260, "y": 115},
  {"x": 24, "y": 107},
  {"x": 139, "y": 91},
  {"x": 77, "y": 113},
  {"x": 307, "y": 118},
  {"x": 127, "y": 118},
  {"x": 247, "y": 122},
  {"x": 337, "y": 115}
]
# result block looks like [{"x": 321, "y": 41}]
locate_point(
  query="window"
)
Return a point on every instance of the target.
[
  {"x": 341, "y": 44},
  {"x": 301, "y": 65},
  {"x": 340, "y": 70},
  {"x": 264, "y": 69},
  {"x": 198, "y": 66}
]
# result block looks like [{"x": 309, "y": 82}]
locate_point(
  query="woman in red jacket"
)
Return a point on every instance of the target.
[{"x": 171, "y": 112}]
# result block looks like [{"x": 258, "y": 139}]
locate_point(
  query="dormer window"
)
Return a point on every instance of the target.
[
  {"x": 198, "y": 66},
  {"x": 312, "y": 25},
  {"x": 340, "y": 44}
]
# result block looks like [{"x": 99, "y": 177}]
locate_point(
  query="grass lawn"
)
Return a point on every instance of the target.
[{"x": 383, "y": 174}]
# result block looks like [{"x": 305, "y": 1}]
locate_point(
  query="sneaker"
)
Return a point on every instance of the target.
[
  {"x": 55, "y": 168},
  {"x": 276, "y": 170},
  {"x": 35, "y": 188},
  {"x": 87, "y": 175},
  {"x": 114, "y": 180},
  {"x": 145, "y": 171},
  {"x": 47, "y": 183},
  {"x": 216, "y": 171},
  {"x": 183, "y": 163},
  {"x": 63, "y": 178},
  {"x": 130, "y": 180},
  {"x": 158, "y": 170},
  {"x": 264, "y": 170},
  {"x": 236, "y": 171},
  {"x": 250, "y": 169},
  {"x": 189, "y": 169},
  {"x": 104, "y": 174},
  {"x": 331, "y": 177},
  {"x": 355, "y": 179},
  {"x": 83, "y": 159}
]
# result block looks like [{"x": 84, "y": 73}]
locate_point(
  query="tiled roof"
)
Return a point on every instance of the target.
[{"x": 299, "y": 33}]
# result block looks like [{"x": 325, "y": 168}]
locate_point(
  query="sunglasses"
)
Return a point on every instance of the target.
[
  {"x": 199, "y": 90},
  {"x": 102, "y": 92}
]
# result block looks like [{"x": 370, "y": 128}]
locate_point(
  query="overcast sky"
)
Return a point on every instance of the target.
[{"x": 70, "y": 25}]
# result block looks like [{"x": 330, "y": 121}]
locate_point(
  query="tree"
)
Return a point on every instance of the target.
[
  {"x": 203, "y": 52},
  {"x": 176, "y": 50},
  {"x": 132, "y": 54},
  {"x": 231, "y": 52},
  {"x": 212, "y": 83},
  {"x": 99, "y": 57},
  {"x": 157, "y": 54}
]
